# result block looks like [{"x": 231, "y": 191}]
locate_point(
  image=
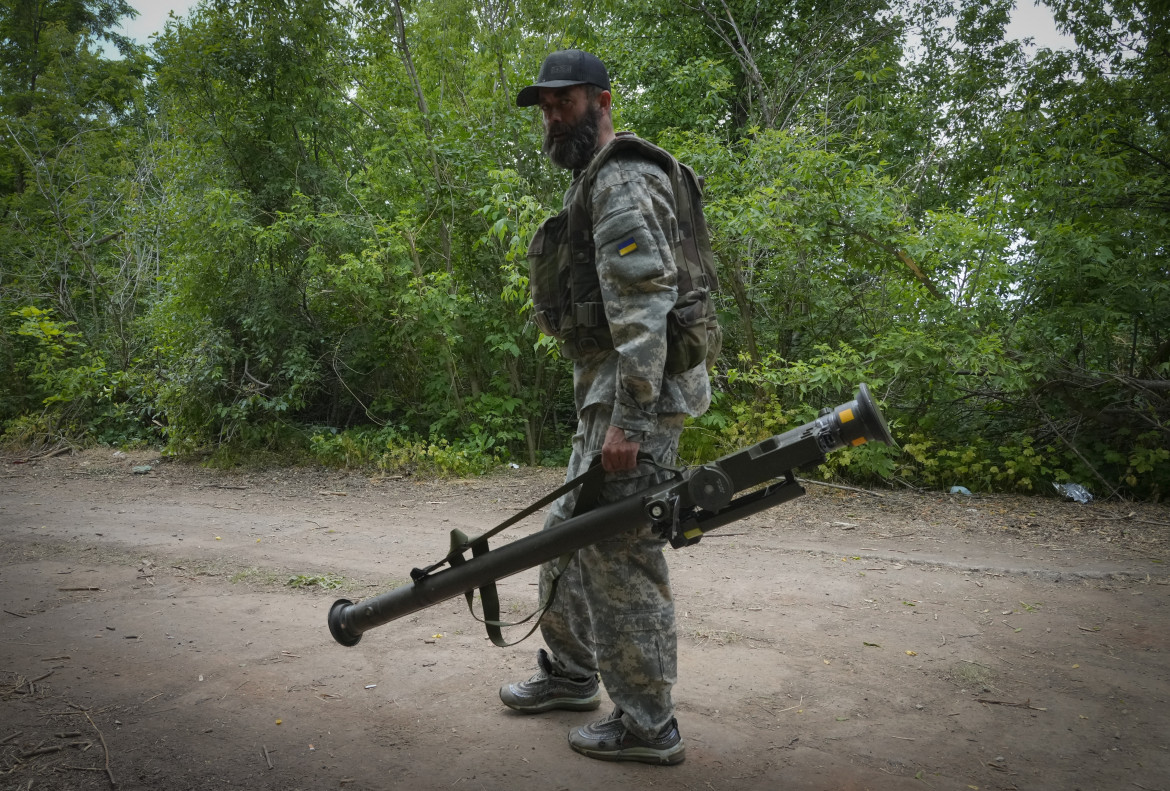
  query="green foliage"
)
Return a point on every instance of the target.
[
  {"x": 981, "y": 467},
  {"x": 393, "y": 450},
  {"x": 82, "y": 399},
  {"x": 439, "y": 457},
  {"x": 302, "y": 229}
]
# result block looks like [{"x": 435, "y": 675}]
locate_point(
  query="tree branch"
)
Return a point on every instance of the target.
[
  {"x": 95, "y": 242},
  {"x": 902, "y": 256}
]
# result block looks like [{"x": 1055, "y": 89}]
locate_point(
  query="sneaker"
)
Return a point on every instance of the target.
[
  {"x": 547, "y": 691},
  {"x": 610, "y": 740}
]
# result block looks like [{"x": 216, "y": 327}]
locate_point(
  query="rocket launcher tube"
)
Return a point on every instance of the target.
[{"x": 700, "y": 500}]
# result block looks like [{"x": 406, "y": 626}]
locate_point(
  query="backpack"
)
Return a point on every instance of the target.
[{"x": 566, "y": 294}]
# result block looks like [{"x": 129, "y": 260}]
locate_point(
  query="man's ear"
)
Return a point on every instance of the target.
[{"x": 605, "y": 101}]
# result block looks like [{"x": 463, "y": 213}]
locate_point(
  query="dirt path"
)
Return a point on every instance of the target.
[{"x": 842, "y": 641}]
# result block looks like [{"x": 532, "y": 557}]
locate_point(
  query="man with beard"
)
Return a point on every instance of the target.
[{"x": 613, "y": 612}]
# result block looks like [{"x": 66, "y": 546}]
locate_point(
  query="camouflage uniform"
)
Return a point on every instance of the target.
[{"x": 614, "y": 612}]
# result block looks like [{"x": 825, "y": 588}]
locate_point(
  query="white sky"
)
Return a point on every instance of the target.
[
  {"x": 152, "y": 16},
  {"x": 1028, "y": 21}
]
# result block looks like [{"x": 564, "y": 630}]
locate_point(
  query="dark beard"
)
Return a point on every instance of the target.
[{"x": 575, "y": 149}]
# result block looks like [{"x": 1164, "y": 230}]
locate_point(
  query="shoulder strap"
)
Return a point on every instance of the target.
[
  {"x": 590, "y": 481},
  {"x": 585, "y": 297}
]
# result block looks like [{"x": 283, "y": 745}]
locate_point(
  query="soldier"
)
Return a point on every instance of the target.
[{"x": 613, "y": 612}]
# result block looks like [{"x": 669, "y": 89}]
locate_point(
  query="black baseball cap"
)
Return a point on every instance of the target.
[{"x": 562, "y": 68}]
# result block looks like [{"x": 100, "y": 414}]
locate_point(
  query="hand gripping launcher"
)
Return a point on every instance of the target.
[{"x": 695, "y": 502}]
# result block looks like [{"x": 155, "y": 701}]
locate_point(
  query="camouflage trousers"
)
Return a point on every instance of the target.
[{"x": 613, "y": 612}]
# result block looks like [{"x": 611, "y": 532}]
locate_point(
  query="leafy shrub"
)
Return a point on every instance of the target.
[
  {"x": 1017, "y": 466},
  {"x": 82, "y": 397},
  {"x": 390, "y": 449}
]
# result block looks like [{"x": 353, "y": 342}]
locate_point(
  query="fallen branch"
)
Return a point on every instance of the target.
[
  {"x": 44, "y": 454},
  {"x": 1027, "y": 704},
  {"x": 56, "y": 748},
  {"x": 1068, "y": 443}
]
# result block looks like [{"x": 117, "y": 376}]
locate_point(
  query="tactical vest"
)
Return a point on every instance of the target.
[{"x": 566, "y": 292}]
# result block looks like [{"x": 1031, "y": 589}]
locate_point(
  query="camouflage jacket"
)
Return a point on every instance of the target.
[{"x": 633, "y": 229}]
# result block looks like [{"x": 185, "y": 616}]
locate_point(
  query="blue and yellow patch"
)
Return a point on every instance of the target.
[{"x": 627, "y": 247}]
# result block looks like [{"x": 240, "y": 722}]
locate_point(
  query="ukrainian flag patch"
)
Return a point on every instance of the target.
[{"x": 627, "y": 247}]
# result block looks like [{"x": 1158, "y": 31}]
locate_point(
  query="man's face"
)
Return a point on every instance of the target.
[{"x": 571, "y": 124}]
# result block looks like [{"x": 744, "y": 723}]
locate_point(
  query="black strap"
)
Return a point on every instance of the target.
[{"x": 590, "y": 481}]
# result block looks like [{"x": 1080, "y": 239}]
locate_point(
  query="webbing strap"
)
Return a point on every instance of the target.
[
  {"x": 590, "y": 482},
  {"x": 490, "y": 601}
]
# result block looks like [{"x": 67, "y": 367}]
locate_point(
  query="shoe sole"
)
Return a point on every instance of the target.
[
  {"x": 647, "y": 755},
  {"x": 564, "y": 704}
]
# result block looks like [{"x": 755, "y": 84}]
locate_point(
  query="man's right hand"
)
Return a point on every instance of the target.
[{"x": 617, "y": 453}]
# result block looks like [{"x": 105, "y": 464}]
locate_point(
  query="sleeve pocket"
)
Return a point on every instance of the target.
[{"x": 626, "y": 248}]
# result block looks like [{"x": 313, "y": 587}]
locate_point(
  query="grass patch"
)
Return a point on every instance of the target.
[
  {"x": 326, "y": 582},
  {"x": 972, "y": 675},
  {"x": 256, "y": 576}
]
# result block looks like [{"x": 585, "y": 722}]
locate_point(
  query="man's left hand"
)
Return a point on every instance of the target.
[{"x": 618, "y": 453}]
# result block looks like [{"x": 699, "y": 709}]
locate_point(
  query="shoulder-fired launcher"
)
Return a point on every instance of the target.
[{"x": 695, "y": 502}]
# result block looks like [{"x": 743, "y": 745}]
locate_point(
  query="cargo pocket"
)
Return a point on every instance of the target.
[
  {"x": 642, "y": 635},
  {"x": 548, "y": 264},
  {"x": 686, "y": 333}
]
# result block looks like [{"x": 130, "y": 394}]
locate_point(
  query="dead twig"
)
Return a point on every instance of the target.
[
  {"x": 267, "y": 757},
  {"x": 105, "y": 749},
  {"x": 32, "y": 688},
  {"x": 1130, "y": 515},
  {"x": 56, "y": 748},
  {"x": 45, "y": 454},
  {"x": 1027, "y": 704},
  {"x": 841, "y": 486}
]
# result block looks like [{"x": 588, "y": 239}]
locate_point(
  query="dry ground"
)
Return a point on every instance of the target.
[{"x": 842, "y": 641}]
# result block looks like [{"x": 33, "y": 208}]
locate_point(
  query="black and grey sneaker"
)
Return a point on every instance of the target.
[
  {"x": 547, "y": 691},
  {"x": 610, "y": 740}
]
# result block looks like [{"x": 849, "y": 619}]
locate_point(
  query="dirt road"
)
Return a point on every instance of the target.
[{"x": 151, "y": 638}]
